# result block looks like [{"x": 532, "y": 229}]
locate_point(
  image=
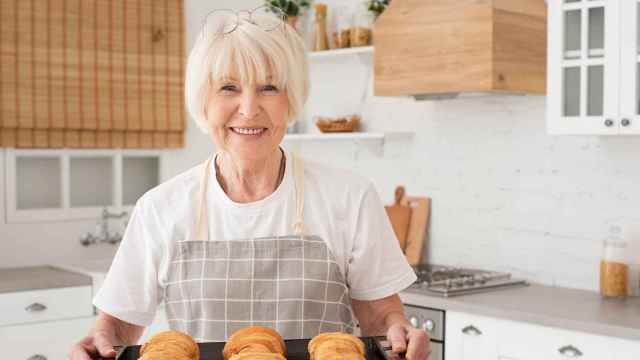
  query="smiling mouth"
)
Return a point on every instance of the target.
[{"x": 248, "y": 131}]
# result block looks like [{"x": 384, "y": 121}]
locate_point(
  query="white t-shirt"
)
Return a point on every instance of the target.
[{"x": 342, "y": 208}]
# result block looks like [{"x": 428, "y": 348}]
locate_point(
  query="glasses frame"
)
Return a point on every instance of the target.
[{"x": 278, "y": 14}]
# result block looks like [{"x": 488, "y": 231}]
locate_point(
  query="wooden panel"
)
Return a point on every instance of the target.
[
  {"x": 88, "y": 64},
  {"x": 25, "y": 68},
  {"x": 8, "y": 137},
  {"x": 520, "y": 51},
  {"x": 87, "y": 139},
  {"x": 116, "y": 54},
  {"x": 145, "y": 29},
  {"x": 103, "y": 22},
  {"x": 132, "y": 59},
  {"x": 41, "y": 64},
  {"x": 442, "y": 46},
  {"x": 159, "y": 49},
  {"x": 8, "y": 75},
  {"x": 175, "y": 56},
  {"x": 83, "y": 73},
  {"x": 57, "y": 64},
  {"x": 117, "y": 139},
  {"x": 56, "y": 138},
  {"x": 72, "y": 97}
]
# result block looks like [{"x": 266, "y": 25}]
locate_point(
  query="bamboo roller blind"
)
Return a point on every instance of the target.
[{"x": 91, "y": 73}]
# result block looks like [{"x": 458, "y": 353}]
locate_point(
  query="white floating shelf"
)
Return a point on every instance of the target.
[
  {"x": 345, "y": 136},
  {"x": 339, "y": 52}
]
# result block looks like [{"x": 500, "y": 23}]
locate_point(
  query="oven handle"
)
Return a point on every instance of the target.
[{"x": 471, "y": 330}]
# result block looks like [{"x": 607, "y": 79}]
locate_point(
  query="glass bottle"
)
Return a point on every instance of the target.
[
  {"x": 320, "y": 41},
  {"x": 614, "y": 266}
]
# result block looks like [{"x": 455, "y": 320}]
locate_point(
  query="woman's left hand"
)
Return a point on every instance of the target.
[{"x": 405, "y": 337}]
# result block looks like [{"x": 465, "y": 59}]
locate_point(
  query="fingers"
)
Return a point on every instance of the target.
[
  {"x": 397, "y": 336},
  {"x": 78, "y": 352},
  {"x": 103, "y": 345},
  {"x": 419, "y": 346}
]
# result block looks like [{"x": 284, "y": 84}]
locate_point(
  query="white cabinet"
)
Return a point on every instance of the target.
[
  {"x": 50, "y": 340},
  {"x": 593, "y": 66},
  {"x": 477, "y": 337},
  {"x": 469, "y": 337}
]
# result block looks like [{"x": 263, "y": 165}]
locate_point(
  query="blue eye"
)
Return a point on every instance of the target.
[
  {"x": 229, "y": 88},
  {"x": 269, "y": 88}
]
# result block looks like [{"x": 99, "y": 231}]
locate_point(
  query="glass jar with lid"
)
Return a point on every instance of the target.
[{"x": 614, "y": 265}]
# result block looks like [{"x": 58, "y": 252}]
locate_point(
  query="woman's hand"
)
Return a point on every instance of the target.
[
  {"x": 415, "y": 342},
  {"x": 97, "y": 343},
  {"x": 107, "y": 332}
]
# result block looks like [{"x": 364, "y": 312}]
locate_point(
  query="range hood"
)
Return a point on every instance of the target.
[{"x": 435, "y": 49}]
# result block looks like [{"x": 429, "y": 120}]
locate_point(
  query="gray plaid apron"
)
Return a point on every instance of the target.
[{"x": 290, "y": 283}]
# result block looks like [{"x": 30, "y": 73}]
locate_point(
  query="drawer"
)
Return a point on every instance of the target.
[
  {"x": 50, "y": 340},
  {"x": 45, "y": 305}
]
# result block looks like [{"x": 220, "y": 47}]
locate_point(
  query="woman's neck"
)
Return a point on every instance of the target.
[{"x": 247, "y": 181}]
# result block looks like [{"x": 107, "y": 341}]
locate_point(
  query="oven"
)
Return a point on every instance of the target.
[{"x": 432, "y": 321}]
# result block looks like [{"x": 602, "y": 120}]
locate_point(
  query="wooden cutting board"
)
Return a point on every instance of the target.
[
  {"x": 418, "y": 227},
  {"x": 400, "y": 217}
]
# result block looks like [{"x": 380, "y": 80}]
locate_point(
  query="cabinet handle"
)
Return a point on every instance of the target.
[
  {"x": 608, "y": 123},
  {"x": 570, "y": 351},
  {"x": 625, "y": 122},
  {"x": 35, "y": 307},
  {"x": 37, "y": 357},
  {"x": 471, "y": 330}
]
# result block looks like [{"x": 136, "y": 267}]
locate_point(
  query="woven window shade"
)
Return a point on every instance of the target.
[{"x": 91, "y": 73}]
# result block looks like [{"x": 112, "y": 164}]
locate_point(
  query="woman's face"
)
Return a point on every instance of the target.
[{"x": 247, "y": 120}]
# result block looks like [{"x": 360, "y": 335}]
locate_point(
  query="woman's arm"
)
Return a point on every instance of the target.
[
  {"x": 107, "y": 332},
  {"x": 386, "y": 317}
]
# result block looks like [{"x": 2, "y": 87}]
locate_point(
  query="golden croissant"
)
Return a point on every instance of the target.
[
  {"x": 336, "y": 346},
  {"x": 170, "y": 345},
  {"x": 254, "y": 342}
]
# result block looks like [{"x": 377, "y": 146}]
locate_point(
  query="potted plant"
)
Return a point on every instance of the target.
[
  {"x": 292, "y": 8},
  {"x": 377, "y": 7}
]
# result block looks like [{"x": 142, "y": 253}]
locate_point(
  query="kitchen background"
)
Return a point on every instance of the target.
[{"x": 506, "y": 195}]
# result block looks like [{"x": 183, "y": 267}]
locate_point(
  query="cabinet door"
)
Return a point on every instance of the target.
[
  {"x": 630, "y": 67},
  {"x": 470, "y": 337},
  {"x": 51, "y": 340},
  {"x": 628, "y": 350},
  {"x": 583, "y": 67}
]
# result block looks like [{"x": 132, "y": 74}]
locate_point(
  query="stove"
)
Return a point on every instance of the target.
[{"x": 449, "y": 281}]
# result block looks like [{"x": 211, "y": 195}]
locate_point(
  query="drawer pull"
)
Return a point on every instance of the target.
[
  {"x": 35, "y": 307},
  {"x": 570, "y": 351},
  {"x": 471, "y": 330},
  {"x": 37, "y": 357}
]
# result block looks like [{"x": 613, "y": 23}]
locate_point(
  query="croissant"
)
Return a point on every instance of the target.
[
  {"x": 254, "y": 340},
  {"x": 335, "y": 346},
  {"x": 170, "y": 345}
]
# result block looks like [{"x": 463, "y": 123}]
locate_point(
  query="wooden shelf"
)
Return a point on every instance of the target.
[{"x": 327, "y": 54}]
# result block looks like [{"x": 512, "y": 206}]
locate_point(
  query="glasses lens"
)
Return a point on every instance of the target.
[
  {"x": 220, "y": 22},
  {"x": 268, "y": 17}
]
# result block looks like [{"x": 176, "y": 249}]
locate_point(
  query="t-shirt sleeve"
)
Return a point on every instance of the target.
[
  {"x": 377, "y": 267},
  {"x": 131, "y": 291}
]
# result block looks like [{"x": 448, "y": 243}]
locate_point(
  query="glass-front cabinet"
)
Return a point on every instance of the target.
[{"x": 593, "y": 67}]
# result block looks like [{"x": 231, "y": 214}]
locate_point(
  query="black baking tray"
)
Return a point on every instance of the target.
[{"x": 377, "y": 349}]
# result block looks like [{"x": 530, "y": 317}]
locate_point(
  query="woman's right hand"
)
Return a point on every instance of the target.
[{"x": 97, "y": 344}]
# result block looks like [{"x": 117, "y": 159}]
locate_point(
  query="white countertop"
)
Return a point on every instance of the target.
[{"x": 572, "y": 309}]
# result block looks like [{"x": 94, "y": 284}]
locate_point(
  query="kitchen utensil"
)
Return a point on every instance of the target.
[
  {"x": 400, "y": 217},
  {"x": 296, "y": 350},
  {"x": 418, "y": 227}
]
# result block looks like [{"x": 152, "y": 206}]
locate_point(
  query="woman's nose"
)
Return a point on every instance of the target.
[{"x": 249, "y": 106}]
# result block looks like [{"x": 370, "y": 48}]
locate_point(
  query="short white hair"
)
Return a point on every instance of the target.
[{"x": 254, "y": 54}]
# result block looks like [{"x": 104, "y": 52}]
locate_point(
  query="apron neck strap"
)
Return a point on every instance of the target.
[
  {"x": 202, "y": 216},
  {"x": 298, "y": 176}
]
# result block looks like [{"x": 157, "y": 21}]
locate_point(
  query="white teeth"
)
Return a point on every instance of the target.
[{"x": 247, "y": 131}]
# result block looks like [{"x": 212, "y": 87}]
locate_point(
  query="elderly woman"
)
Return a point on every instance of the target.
[{"x": 255, "y": 235}]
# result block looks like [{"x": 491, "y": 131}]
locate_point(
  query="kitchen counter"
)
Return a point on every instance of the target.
[
  {"x": 572, "y": 309},
  {"x": 39, "y": 277}
]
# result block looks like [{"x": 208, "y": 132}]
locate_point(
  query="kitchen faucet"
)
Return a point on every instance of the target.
[{"x": 103, "y": 235}]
